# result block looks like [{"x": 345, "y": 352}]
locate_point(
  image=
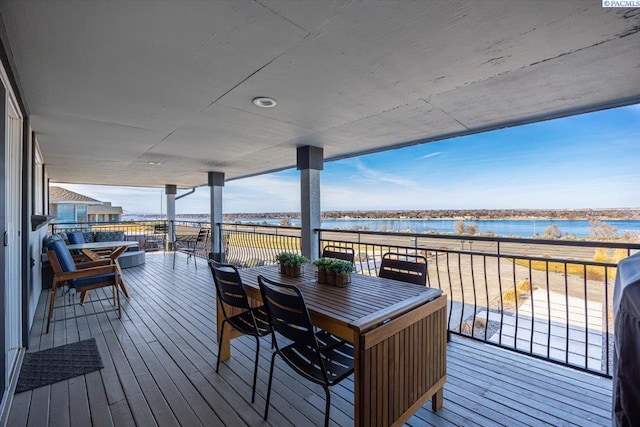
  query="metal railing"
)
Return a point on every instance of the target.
[
  {"x": 254, "y": 245},
  {"x": 549, "y": 299}
]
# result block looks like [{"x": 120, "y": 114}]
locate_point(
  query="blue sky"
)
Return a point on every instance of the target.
[{"x": 586, "y": 161}]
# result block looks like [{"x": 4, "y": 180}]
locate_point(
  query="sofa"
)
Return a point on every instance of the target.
[{"x": 133, "y": 257}]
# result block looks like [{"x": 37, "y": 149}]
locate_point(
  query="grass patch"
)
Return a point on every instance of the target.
[
  {"x": 593, "y": 272},
  {"x": 518, "y": 293}
]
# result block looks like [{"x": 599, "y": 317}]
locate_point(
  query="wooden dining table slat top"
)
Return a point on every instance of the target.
[{"x": 363, "y": 304}]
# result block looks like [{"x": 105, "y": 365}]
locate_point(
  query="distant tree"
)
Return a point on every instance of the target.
[
  {"x": 602, "y": 230},
  {"x": 471, "y": 229},
  {"x": 552, "y": 232},
  {"x": 461, "y": 228},
  {"x": 285, "y": 222}
]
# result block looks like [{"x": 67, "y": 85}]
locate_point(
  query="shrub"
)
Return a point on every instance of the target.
[
  {"x": 602, "y": 230},
  {"x": 517, "y": 293},
  {"x": 291, "y": 259}
]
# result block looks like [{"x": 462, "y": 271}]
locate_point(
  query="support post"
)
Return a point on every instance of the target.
[
  {"x": 310, "y": 162},
  {"x": 215, "y": 181},
  {"x": 170, "y": 190}
]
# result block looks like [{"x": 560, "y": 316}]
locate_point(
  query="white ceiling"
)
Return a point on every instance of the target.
[{"x": 111, "y": 86}]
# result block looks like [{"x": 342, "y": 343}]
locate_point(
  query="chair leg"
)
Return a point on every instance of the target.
[
  {"x": 116, "y": 293},
  {"x": 266, "y": 406},
  {"x": 219, "y": 341},
  {"x": 54, "y": 290},
  {"x": 327, "y": 407},
  {"x": 255, "y": 370},
  {"x": 174, "y": 258}
]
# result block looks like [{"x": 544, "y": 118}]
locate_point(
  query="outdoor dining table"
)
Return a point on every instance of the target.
[
  {"x": 398, "y": 331},
  {"x": 118, "y": 248}
]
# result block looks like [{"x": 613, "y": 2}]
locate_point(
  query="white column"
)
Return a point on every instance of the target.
[
  {"x": 310, "y": 163},
  {"x": 170, "y": 190},
  {"x": 216, "y": 182}
]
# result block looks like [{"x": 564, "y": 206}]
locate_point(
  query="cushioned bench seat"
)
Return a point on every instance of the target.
[{"x": 131, "y": 258}]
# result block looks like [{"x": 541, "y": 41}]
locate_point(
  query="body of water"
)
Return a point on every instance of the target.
[{"x": 500, "y": 227}]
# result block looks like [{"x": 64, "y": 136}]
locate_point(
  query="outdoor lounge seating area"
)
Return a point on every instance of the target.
[
  {"x": 160, "y": 368},
  {"x": 132, "y": 257}
]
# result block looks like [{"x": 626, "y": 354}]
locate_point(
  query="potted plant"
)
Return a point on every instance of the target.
[
  {"x": 322, "y": 264},
  {"x": 339, "y": 272},
  {"x": 342, "y": 270},
  {"x": 291, "y": 263}
]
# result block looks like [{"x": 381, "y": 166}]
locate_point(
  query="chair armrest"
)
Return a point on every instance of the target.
[
  {"x": 90, "y": 264},
  {"x": 89, "y": 272}
]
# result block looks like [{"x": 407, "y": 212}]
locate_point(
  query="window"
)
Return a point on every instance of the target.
[
  {"x": 66, "y": 213},
  {"x": 37, "y": 184},
  {"x": 81, "y": 213}
]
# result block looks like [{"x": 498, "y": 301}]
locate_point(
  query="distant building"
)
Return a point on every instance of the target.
[
  {"x": 105, "y": 213},
  {"x": 69, "y": 206}
]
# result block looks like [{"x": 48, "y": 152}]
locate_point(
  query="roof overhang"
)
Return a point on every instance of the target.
[{"x": 154, "y": 93}]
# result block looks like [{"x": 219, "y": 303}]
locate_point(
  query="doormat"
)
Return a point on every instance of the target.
[{"x": 58, "y": 363}]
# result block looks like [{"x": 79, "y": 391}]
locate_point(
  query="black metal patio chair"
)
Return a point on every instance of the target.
[
  {"x": 319, "y": 357},
  {"x": 191, "y": 245},
  {"x": 339, "y": 252},
  {"x": 250, "y": 321},
  {"x": 404, "y": 267}
]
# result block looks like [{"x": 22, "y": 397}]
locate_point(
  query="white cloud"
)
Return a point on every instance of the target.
[
  {"x": 378, "y": 175},
  {"x": 428, "y": 156}
]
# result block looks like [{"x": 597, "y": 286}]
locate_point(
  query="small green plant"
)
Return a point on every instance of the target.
[
  {"x": 322, "y": 263},
  {"x": 339, "y": 266},
  {"x": 291, "y": 259}
]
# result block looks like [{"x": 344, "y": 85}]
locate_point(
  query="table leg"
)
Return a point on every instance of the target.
[
  {"x": 123, "y": 283},
  {"x": 114, "y": 258},
  {"x": 437, "y": 399}
]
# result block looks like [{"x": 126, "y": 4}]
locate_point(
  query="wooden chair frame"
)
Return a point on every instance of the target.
[{"x": 85, "y": 270}]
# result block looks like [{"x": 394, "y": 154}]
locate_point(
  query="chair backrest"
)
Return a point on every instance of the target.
[
  {"x": 160, "y": 228},
  {"x": 75, "y": 237},
  {"x": 63, "y": 255},
  {"x": 339, "y": 252},
  {"x": 405, "y": 268},
  {"x": 203, "y": 235},
  {"x": 229, "y": 287},
  {"x": 287, "y": 311}
]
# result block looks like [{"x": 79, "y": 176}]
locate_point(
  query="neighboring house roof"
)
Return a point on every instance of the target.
[
  {"x": 105, "y": 208},
  {"x": 62, "y": 195}
]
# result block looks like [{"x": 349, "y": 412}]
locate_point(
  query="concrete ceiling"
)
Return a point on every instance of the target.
[{"x": 111, "y": 86}]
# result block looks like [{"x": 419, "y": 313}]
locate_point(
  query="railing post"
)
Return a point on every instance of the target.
[
  {"x": 170, "y": 191},
  {"x": 215, "y": 181}
]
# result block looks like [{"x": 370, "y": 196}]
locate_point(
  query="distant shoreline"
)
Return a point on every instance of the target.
[{"x": 440, "y": 214}]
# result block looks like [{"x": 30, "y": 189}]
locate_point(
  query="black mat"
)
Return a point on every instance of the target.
[{"x": 58, "y": 363}]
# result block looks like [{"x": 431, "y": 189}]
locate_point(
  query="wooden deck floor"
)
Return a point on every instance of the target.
[{"x": 160, "y": 370}]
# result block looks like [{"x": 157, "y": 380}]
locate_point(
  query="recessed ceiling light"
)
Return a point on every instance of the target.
[
  {"x": 154, "y": 163},
  {"x": 264, "y": 102}
]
